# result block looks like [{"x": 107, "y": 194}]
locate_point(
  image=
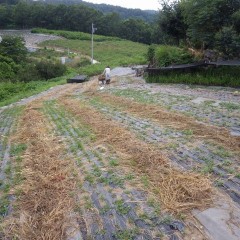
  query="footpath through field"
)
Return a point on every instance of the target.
[{"x": 130, "y": 161}]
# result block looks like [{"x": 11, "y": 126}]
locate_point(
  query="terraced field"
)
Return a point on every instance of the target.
[{"x": 131, "y": 161}]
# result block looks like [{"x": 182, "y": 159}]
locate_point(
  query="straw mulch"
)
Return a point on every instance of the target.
[
  {"x": 179, "y": 191},
  {"x": 44, "y": 205},
  {"x": 174, "y": 120}
]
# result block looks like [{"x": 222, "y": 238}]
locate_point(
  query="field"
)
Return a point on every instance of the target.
[
  {"x": 132, "y": 161},
  {"x": 107, "y": 51}
]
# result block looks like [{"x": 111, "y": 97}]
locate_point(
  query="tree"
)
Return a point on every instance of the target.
[
  {"x": 204, "y": 18},
  {"x": 109, "y": 24},
  {"x": 171, "y": 22},
  {"x": 136, "y": 30},
  {"x": 228, "y": 42},
  {"x": 13, "y": 47}
]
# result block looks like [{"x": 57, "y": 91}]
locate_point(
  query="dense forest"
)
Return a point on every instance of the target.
[
  {"x": 125, "y": 13},
  {"x": 199, "y": 24}
]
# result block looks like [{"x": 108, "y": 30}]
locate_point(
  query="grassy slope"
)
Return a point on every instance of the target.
[
  {"x": 12, "y": 92},
  {"x": 112, "y": 53},
  {"x": 107, "y": 50}
]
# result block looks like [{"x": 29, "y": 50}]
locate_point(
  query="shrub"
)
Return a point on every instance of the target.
[
  {"x": 48, "y": 69},
  {"x": 14, "y": 48},
  {"x": 168, "y": 55},
  {"x": 151, "y": 54},
  {"x": 222, "y": 76},
  {"x": 6, "y": 72},
  {"x": 28, "y": 73},
  {"x": 228, "y": 42}
]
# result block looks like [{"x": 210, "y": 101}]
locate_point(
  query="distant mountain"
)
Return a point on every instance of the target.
[{"x": 146, "y": 15}]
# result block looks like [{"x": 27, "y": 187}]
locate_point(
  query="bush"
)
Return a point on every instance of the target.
[
  {"x": 48, "y": 69},
  {"x": 151, "y": 54},
  {"x": 221, "y": 76},
  {"x": 14, "y": 48},
  {"x": 6, "y": 72},
  {"x": 228, "y": 42},
  {"x": 28, "y": 73},
  {"x": 168, "y": 55}
]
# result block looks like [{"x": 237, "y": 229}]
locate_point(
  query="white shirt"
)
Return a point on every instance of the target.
[{"x": 107, "y": 73}]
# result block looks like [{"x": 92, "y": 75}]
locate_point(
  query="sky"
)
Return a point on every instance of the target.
[{"x": 142, "y": 4}]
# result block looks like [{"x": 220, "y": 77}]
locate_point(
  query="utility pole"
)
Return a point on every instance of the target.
[{"x": 93, "y": 31}]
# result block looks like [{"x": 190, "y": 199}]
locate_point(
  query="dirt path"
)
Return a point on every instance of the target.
[{"x": 116, "y": 194}]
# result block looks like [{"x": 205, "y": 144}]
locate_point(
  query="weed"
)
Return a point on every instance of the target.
[
  {"x": 167, "y": 219},
  {"x": 237, "y": 175},
  {"x": 226, "y": 163},
  {"x": 221, "y": 152},
  {"x": 121, "y": 207},
  {"x": 113, "y": 163},
  {"x": 188, "y": 132},
  {"x": 230, "y": 106},
  {"x": 209, "y": 167},
  {"x": 88, "y": 203},
  {"x": 143, "y": 216},
  {"x": 96, "y": 171},
  {"x": 173, "y": 146},
  {"x": 8, "y": 170},
  {"x": 18, "y": 149},
  {"x": 230, "y": 170},
  {"x": 129, "y": 176},
  {"x": 152, "y": 203},
  {"x": 126, "y": 234},
  {"x": 4, "y": 203},
  {"x": 105, "y": 209},
  {"x": 90, "y": 178},
  {"x": 145, "y": 181},
  {"x": 219, "y": 183}
]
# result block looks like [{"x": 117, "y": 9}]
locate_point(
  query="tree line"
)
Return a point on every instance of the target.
[
  {"x": 200, "y": 24},
  {"x": 74, "y": 18}
]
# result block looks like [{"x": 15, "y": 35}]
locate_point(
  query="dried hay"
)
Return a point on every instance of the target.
[
  {"x": 174, "y": 120},
  {"x": 90, "y": 86},
  {"x": 44, "y": 205},
  {"x": 179, "y": 191}
]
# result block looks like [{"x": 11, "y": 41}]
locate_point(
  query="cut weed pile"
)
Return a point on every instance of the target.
[
  {"x": 179, "y": 191},
  {"x": 173, "y": 120},
  {"x": 44, "y": 201}
]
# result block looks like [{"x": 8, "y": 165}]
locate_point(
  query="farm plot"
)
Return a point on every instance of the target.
[
  {"x": 181, "y": 147},
  {"x": 220, "y": 107},
  {"x": 112, "y": 164},
  {"x": 8, "y": 120}
]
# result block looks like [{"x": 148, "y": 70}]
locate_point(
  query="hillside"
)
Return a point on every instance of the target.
[{"x": 146, "y": 15}]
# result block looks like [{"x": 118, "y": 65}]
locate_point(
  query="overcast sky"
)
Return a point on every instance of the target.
[{"x": 142, "y": 4}]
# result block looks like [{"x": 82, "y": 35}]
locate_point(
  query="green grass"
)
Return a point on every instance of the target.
[
  {"x": 230, "y": 106},
  {"x": 75, "y": 35},
  {"x": 107, "y": 50},
  {"x": 126, "y": 234},
  {"x": 12, "y": 92},
  {"x": 221, "y": 76},
  {"x": 121, "y": 207}
]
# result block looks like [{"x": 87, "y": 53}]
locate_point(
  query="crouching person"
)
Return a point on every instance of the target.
[{"x": 107, "y": 75}]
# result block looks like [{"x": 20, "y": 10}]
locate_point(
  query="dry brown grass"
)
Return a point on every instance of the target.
[
  {"x": 44, "y": 205},
  {"x": 174, "y": 120},
  {"x": 179, "y": 191}
]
